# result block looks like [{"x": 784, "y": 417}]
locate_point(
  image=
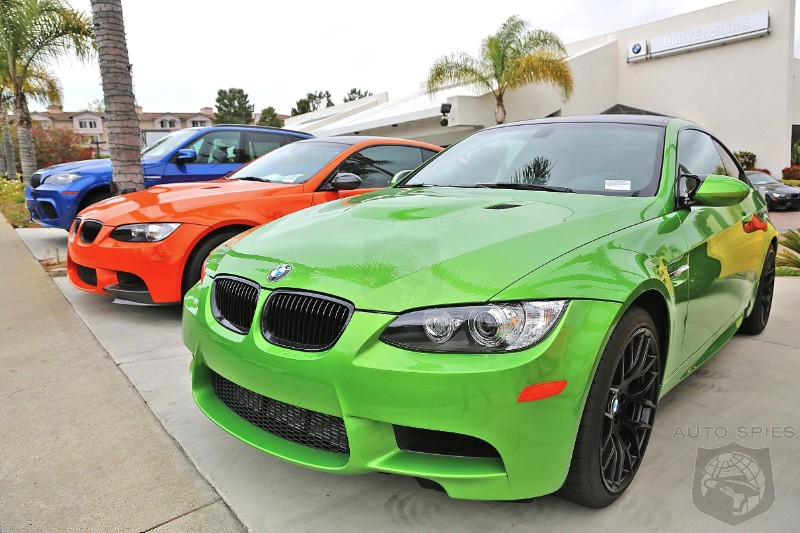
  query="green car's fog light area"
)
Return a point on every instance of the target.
[{"x": 492, "y": 328}]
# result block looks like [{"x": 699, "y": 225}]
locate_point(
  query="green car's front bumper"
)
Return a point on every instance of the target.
[{"x": 379, "y": 389}]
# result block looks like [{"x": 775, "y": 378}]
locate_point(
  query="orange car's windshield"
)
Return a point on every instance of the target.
[{"x": 293, "y": 163}]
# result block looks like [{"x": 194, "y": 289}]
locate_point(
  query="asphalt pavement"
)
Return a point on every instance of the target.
[{"x": 745, "y": 395}]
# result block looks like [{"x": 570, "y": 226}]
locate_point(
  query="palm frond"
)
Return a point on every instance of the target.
[
  {"x": 540, "y": 40},
  {"x": 790, "y": 240},
  {"x": 457, "y": 69},
  {"x": 42, "y": 86},
  {"x": 540, "y": 67}
]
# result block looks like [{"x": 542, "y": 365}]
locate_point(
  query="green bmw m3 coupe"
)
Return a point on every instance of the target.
[{"x": 502, "y": 322}]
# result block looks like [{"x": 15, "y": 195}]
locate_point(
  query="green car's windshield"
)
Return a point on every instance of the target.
[
  {"x": 590, "y": 158},
  {"x": 293, "y": 163},
  {"x": 167, "y": 144},
  {"x": 759, "y": 178}
]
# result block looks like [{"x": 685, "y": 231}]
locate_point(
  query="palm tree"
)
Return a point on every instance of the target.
[
  {"x": 34, "y": 33},
  {"x": 9, "y": 159},
  {"x": 41, "y": 86},
  {"x": 124, "y": 136},
  {"x": 514, "y": 56}
]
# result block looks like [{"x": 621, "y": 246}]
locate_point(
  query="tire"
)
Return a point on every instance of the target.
[
  {"x": 92, "y": 198},
  {"x": 618, "y": 417},
  {"x": 762, "y": 306},
  {"x": 191, "y": 272}
]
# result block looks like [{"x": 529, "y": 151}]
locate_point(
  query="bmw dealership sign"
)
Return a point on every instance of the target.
[{"x": 735, "y": 29}]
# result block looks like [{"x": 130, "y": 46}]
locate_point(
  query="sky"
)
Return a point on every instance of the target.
[{"x": 183, "y": 52}]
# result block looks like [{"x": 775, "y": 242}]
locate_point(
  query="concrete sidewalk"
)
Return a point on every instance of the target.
[{"x": 79, "y": 449}]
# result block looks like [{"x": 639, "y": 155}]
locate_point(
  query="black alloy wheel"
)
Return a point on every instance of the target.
[
  {"x": 619, "y": 413},
  {"x": 762, "y": 306},
  {"x": 630, "y": 410}
]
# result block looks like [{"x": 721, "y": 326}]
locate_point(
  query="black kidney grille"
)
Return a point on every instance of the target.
[
  {"x": 36, "y": 180},
  {"x": 304, "y": 321},
  {"x": 289, "y": 422},
  {"x": 75, "y": 225},
  {"x": 89, "y": 230},
  {"x": 234, "y": 302},
  {"x": 87, "y": 275}
]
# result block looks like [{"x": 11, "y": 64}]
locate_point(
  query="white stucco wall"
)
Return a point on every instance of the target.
[{"x": 742, "y": 92}]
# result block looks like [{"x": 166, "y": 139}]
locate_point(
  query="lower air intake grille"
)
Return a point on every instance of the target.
[
  {"x": 303, "y": 320},
  {"x": 87, "y": 275},
  {"x": 89, "y": 230},
  {"x": 289, "y": 422},
  {"x": 48, "y": 210},
  {"x": 234, "y": 302}
]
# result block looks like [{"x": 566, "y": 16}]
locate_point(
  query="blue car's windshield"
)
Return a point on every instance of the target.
[
  {"x": 168, "y": 144},
  {"x": 293, "y": 163},
  {"x": 591, "y": 158}
]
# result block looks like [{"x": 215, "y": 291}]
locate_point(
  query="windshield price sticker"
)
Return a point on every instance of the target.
[{"x": 618, "y": 185}]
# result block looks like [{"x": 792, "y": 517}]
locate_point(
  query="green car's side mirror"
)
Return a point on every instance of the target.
[
  {"x": 399, "y": 176},
  {"x": 720, "y": 191}
]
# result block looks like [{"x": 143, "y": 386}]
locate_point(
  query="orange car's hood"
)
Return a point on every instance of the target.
[{"x": 194, "y": 203}]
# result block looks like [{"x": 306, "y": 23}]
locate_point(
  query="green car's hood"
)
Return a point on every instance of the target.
[{"x": 398, "y": 249}]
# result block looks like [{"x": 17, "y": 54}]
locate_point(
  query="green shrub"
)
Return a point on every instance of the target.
[
  {"x": 746, "y": 159},
  {"x": 12, "y": 203},
  {"x": 795, "y": 155},
  {"x": 793, "y": 183}
]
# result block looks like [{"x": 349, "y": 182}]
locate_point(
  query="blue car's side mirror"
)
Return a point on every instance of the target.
[{"x": 185, "y": 155}]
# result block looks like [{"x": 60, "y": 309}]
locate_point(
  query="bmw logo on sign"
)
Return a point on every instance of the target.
[
  {"x": 279, "y": 272},
  {"x": 636, "y": 48}
]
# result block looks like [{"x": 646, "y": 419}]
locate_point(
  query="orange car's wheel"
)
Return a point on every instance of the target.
[{"x": 191, "y": 273}]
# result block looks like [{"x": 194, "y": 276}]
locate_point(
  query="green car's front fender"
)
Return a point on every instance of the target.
[{"x": 374, "y": 386}]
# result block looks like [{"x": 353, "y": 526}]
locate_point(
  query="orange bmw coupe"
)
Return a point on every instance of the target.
[{"x": 149, "y": 246}]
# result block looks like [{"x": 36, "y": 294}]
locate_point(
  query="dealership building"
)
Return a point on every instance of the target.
[{"x": 730, "y": 68}]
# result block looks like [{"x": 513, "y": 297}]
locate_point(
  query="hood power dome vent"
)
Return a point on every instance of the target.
[{"x": 503, "y": 206}]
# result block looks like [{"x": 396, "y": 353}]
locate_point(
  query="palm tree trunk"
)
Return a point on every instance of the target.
[
  {"x": 27, "y": 152},
  {"x": 124, "y": 136},
  {"x": 500, "y": 111},
  {"x": 9, "y": 158}
]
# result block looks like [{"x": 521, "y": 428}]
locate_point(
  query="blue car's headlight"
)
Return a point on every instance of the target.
[
  {"x": 62, "y": 178},
  {"x": 491, "y": 328},
  {"x": 150, "y": 232}
]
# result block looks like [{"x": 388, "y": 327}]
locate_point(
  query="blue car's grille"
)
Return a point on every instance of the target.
[{"x": 36, "y": 180}]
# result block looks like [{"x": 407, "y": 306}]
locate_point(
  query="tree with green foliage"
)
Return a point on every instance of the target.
[
  {"x": 97, "y": 105},
  {"x": 312, "y": 102},
  {"x": 356, "y": 94},
  {"x": 269, "y": 117},
  {"x": 34, "y": 33},
  {"x": 233, "y": 107},
  {"x": 512, "y": 57}
]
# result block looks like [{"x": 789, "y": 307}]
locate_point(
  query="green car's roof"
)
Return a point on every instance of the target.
[{"x": 648, "y": 120}]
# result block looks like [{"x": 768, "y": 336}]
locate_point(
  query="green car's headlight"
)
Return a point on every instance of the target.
[
  {"x": 492, "y": 328},
  {"x": 144, "y": 232},
  {"x": 62, "y": 178}
]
